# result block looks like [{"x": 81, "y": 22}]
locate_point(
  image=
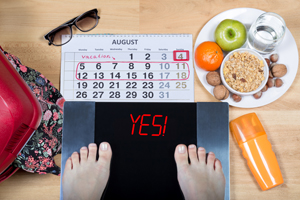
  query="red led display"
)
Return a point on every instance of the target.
[
  {"x": 156, "y": 125},
  {"x": 162, "y": 127},
  {"x": 134, "y": 122},
  {"x": 141, "y": 125}
]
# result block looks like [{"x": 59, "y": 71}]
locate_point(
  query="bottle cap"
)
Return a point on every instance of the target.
[{"x": 246, "y": 127}]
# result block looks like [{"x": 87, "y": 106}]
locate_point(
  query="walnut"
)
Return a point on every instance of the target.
[
  {"x": 213, "y": 78},
  {"x": 270, "y": 74},
  {"x": 221, "y": 92},
  {"x": 272, "y": 65},
  {"x": 279, "y": 70}
]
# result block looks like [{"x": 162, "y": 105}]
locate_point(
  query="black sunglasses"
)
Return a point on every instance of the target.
[{"x": 84, "y": 22}]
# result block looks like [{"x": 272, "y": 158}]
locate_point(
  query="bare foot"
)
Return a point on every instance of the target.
[
  {"x": 199, "y": 179},
  {"x": 84, "y": 177}
]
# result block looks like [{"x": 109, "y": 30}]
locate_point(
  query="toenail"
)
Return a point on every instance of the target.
[
  {"x": 201, "y": 149},
  {"x": 191, "y": 146},
  {"x": 181, "y": 149},
  {"x": 84, "y": 148},
  {"x": 211, "y": 153},
  {"x": 103, "y": 146},
  {"x": 92, "y": 145}
]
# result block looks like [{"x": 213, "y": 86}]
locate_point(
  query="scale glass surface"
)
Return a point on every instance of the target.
[{"x": 143, "y": 137}]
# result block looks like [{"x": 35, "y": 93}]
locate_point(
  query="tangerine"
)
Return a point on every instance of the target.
[{"x": 208, "y": 56}]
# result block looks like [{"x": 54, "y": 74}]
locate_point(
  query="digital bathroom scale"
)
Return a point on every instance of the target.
[{"x": 143, "y": 137}]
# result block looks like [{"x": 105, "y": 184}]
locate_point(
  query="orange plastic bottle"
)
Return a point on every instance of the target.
[{"x": 252, "y": 139}]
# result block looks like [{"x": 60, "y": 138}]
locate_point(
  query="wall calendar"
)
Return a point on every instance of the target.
[{"x": 128, "y": 68}]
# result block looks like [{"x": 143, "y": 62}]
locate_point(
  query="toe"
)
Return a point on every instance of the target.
[
  {"x": 92, "y": 152},
  {"x": 193, "y": 153},
  {"x": 181, "y": 156},
  {"x": 218, "y": 165},
  {"x": 68, "y": 165},
  {"x": 202, "y": 155},
  {"x": 83, "y": 154},
  {"x": 75, "y": 160},
  {"x": 211, "y": 160},
  {"x": 105, "y": 154}
]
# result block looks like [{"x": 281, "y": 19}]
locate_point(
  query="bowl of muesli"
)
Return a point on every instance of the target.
[{"x": 244, "y": 72}]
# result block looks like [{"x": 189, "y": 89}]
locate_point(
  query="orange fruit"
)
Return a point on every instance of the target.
[{"x": 208, "y": 56}]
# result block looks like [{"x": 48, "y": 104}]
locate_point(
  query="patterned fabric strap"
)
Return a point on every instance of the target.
[{"x": 37, "y": 155}]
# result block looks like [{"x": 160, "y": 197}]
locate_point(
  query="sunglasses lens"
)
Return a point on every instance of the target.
[
  {"x": 87, "y": 21},
  {"x": 56, "y": 36}
]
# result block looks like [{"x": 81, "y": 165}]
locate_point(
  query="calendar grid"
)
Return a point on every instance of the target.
[{"x": 150, "y": 69}]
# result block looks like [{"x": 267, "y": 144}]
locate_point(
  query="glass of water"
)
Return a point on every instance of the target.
[{"x": 266, "y": 33}]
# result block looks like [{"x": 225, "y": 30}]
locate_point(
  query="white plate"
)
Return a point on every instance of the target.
[{"x": 287, "y": 50}]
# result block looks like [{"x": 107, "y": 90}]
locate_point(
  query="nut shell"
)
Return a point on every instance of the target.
[
  {"x": 268, "y": 62},
  {"x": 279, "y": 70},
  {"x": 270, "y": 74},
  {"x": 257, "y": 95},
  {"x": 221, "y": 92},
  {"x": 271, "y": 83},
  {"x": 274, "y": 58},
  {"x": 278, "y": 82},
  {"x": 265, "y": 88},
  {"x": 272, "y": 65},
  {"x": 213, "y": 78},
  {"x": 236, "y": 98},
  {"x": 227, "y": 94}
]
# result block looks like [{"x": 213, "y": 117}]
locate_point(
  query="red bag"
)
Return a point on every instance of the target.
[
  {"x": 37, "y": 155},
  {"x": 20, "y": 116}
]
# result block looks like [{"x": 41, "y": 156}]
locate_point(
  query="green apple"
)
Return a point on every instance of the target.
[{"x": 230, "y": 34}]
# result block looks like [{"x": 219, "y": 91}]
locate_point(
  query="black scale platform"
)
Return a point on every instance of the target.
[{"x": 143, "y": 137}]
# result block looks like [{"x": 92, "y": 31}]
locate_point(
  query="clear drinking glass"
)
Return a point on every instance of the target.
[{"x": 266, "y": 33}]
